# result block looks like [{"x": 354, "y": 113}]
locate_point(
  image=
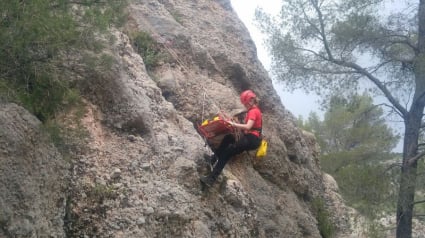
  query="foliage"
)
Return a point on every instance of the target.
[
  {"x": 321, "y": 45},
  {"x": 36, "y": 38},
  {"x": 148, "y": 48},
  {"x": 99, "y": 192},
  {"x": 66, "y": 131},
  {"x": 374, "y": 230},
  {"x": 316, "y": 45},
  {"x": 350, "y": 123},
  {"x": 356, "y": 145},
  {"x": 354, "y": 122},
  {"x": 325, "y": 224},
  {"x": 366, "y": 187},
  {"x": 75, "y": 225},
  {"x": 420, "y": 193}
]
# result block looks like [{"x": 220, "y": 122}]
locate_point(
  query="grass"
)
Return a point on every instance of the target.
[{"x": 325, "y": 225}]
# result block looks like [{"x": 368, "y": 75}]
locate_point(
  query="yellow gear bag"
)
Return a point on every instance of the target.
[{"x": 262, "y": 149}]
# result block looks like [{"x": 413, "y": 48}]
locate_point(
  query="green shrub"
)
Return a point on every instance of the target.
[
  {"x": 40, "y": 39},
  {"x": 367, "y": 188},
  {"x": 44, "y": 96},
  {"x": 100, "y": 192},
  {"x": 7, "y": 93},
  {"x": 374, "y": 230},
  {"x": 148, "y": 48},
  {"x": 66, "y": 131},
  {"x": 325, "y": 225}
]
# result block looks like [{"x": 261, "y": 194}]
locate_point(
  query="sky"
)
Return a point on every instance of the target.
[{"x": 298, "y": 103}]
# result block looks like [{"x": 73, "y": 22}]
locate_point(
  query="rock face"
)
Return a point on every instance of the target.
[
  {"x": 33, "y": 178},
  {"x": 139, "y": 176}
]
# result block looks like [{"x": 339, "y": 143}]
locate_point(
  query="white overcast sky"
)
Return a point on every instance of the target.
[{"x": 297, "y": 102}]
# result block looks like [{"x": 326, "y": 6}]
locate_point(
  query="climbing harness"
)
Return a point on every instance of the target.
[{"x": 210, "y": 130}]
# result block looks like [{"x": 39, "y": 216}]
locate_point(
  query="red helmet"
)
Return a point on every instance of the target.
[{"x": 246, "y": 96}]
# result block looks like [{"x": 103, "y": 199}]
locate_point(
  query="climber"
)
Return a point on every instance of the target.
[{"x": 249, "y": 140}]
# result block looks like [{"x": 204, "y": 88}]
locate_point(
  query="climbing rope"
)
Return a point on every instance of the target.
[
  {"x": 203, "y": 107},
  {"x": 163, "y": 42}
]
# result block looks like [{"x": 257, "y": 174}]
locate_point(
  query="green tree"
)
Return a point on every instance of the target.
[
  {"x": 356, "y": 147},
  {"x": 354, "y": 122},
  {"x": 318, "y": 45},
  {"x": 39, "y": 40}
]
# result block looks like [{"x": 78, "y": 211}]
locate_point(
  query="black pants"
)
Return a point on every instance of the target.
[{"x": 229, "y": 147}]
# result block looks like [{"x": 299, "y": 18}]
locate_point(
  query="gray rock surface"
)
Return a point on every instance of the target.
[
  {"x": 157, "y": 193},
  {"x": 138, "y": 175},
  {"x": 34, "y": 178}
]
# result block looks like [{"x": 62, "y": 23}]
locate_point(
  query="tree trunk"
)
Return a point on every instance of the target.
[
  {"x": 412, "y": 121},
  {"x": 406, "y": 194}
]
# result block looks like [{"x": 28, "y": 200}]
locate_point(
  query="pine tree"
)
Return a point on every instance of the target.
[
  {"x": 356, "y": 146},
  {"x": 319, "y": 45}
]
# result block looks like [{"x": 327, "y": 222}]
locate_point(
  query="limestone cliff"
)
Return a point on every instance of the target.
[
  {"x": 139, "y": 175},
  {"x": 33, "y": 178}
]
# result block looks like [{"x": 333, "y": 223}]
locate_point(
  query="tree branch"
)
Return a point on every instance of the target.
[
  {"x": 406, "y": 41},
  {"x": 312, "y": 24},
  {"x": 415, "y": 159},
  {"x": 376, "y": 81},
  {"x": 322, "y": 29},
  {"x": 417, "y": 202},
  {"x": 378, "y": 105},
  {"x": 311, "y": 51},
  {"x": 323, "y": 71},
  {"x": 355, "y": 66},
  {"x": 421, "y": 144},
  {"x": 391, "y": 107},
  {"x": 378, "y": 66}
]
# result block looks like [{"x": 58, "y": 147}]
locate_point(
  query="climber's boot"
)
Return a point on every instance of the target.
[
  {"x": 208, "y": 180},
  {"x": 211, "y": 160}
]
